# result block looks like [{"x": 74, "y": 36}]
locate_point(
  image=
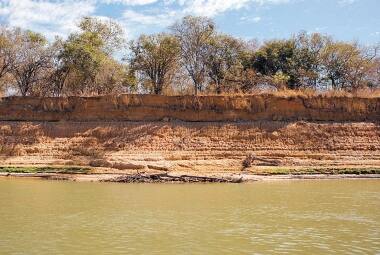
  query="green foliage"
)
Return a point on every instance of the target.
[
  {"x": 280, "y": 79},
  {"x": 314, "y": 61},
  {"x": 155, "y": 58},
  {"x": 308, "y": 171},
  {"x": 109, "y": 32},
  {"x": 87, "y": 56},
  {"x": 307, "y": 57},
  {"x": 35, "y": 38},
  {"x": 194, "y": 55},
  {"x": 82, "y": 53},
  {"x": 61, "y": 170},
  {"x": 223, "y": 57},
  {"x": 277, "y": 56}
]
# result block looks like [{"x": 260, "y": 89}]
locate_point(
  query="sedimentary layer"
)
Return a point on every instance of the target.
[
  {"x": 190, "y": 108},
  {"x": 191, "y": 146}
]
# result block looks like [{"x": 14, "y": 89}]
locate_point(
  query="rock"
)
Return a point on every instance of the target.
[
  {"x": 153, "y": 159},
  {"x": 124, "y": 166},
  {"x": 160, "y": 168},
  {"x": 100, "y": 163}
]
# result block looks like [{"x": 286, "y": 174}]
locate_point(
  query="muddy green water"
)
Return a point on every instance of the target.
[{"x": 286, "y": 217}]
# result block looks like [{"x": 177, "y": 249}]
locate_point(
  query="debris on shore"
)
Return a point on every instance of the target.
[{"x": 166, "y": 178}]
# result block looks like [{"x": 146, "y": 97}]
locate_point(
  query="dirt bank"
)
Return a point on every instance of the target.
[
  {"x": 190, "y": 108},
  {"x": 197, "y": 135},
  {"x": 117, "y": 147}
]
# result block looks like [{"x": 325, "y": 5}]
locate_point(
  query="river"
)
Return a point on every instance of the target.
[{"x": 280, "y": 217}]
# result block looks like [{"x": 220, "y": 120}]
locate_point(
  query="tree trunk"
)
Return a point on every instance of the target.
[{"x": 157, "y": 90}]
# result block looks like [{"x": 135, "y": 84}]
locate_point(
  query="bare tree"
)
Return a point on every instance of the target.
[
  {"x": 9, "y": 39},
  {"x": 194, "y": 35},
  {"x": 32, "y": 58},
  {"x": 6, "y": 50},
  {"x": 346, "y": 65}
]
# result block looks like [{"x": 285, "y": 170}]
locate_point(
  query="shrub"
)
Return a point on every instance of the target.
[{"x": 247, "y": 162}]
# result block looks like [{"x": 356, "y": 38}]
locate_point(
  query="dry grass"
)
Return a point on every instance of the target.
[
  {"x": 305, "y": 93},
  {"x": 12, "y": 150}
]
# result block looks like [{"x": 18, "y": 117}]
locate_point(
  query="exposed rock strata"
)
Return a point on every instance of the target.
[
  {"x": 190, "y": 147},
  {"x": 190, "y": 108}
]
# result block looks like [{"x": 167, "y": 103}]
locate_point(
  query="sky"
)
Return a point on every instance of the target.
[{"x": 350, "y": 20}]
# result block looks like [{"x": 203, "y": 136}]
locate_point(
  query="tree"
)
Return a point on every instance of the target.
[
  {"x": 308, "y": 50},
  {"x": 223, "y": 55},
  {"x": 87, "y": 53},
  {"x": 374, "y": 74},
  {"x": 295, "y": 62},
  {"x": 10, "y": 38},
  {"x": 193, "y": 57},
  {"x": 280, "y": 80},
  {"x": 155, "y": 58},
  {"x": 109, "y": 32},
  {"x": 362, "y": 68},
  {"x": 277, "y": 56},
  {"x": 112, "y": 77},
  {"x": 7, "y": 42},
  {"x": 244, "y": 77},
  {"x": 194, "y": 35},
  {"x": 32, "y": 58},
  {"x": 82, "y": 55},
  {"x": 59, "y": 72},
  {"x": 345, "y": 65}
]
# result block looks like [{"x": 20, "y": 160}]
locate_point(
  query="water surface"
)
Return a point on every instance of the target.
[{"x": 287, "y": 217}]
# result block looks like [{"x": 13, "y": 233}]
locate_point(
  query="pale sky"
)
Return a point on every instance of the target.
[{"x": 350, "y": 20}]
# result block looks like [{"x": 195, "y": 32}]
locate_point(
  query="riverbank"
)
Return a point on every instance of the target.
[
  {"x": 94, "y": 175},
  {"x": 228, "y": 147},
  {"x": 217, "y": 135}
]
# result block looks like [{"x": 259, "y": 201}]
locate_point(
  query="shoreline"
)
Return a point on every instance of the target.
[{"x": 183, "y": 178}]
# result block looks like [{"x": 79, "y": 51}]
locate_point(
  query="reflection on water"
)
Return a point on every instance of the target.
[{"x": 288, "y": 217}]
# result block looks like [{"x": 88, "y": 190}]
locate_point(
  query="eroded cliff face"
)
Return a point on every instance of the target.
[
  {"x": 195, "y": 147},
  {"x": 215, "y": 133},
  {"x": 190, "y": 108}
]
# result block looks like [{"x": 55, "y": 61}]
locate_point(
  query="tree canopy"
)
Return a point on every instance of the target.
[{"x": 191, "y": 57}]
